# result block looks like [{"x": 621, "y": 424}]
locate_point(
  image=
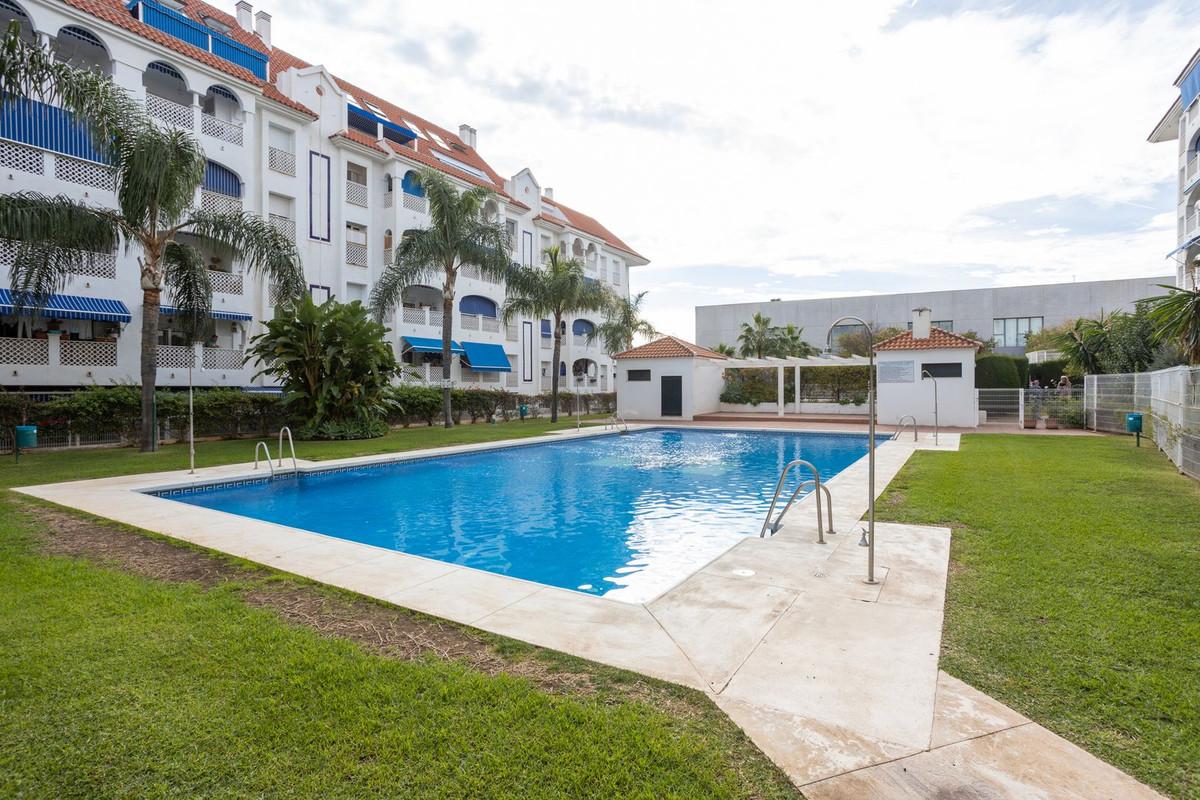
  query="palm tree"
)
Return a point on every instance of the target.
[
  {"x": 758, "y": 337},
  {"x": 1176, "y": 319},
  {"x": 1082, "y": 343},
  {"x": 459, "y": 236},
  {"x": 556, "y": 290},
  {"x": 623, "y": 324},
  {"x": 790, "y": 342},
  {"x": 157, "y": 174},
  {"x": 725, "y": 349}
]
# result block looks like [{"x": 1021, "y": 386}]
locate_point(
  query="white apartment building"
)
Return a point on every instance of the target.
[
  {"x": 326, "y": 161},
  {"x": 1181, "y": 123}
]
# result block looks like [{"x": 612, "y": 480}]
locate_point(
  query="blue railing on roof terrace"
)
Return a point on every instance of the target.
[
  {"x": 188, "y": 30},
  {"x": 43, "y": 126}
]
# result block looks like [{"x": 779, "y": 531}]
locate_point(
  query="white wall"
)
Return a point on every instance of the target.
[
  {"x": 702, "y": 384},
  {"x": 956, "y": 396}
]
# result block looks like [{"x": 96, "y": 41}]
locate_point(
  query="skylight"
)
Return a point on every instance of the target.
[{"x": 467, "y": 168}]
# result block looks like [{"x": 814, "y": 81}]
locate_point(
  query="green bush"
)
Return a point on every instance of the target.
[
  {"x": 1022, "y": 364},
  {"x": 1048, "y": 372},
  {"x": 997, "y": 372},
  {"x": 415, "y": 403}
]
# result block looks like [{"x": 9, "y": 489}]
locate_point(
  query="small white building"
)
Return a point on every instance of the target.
[
  {"x": 668, "y": 378},
  {"x": 910, "y": 365}
]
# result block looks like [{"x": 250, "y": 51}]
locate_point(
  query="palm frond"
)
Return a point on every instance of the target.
[
  {"x": 419, "y": 259},
  {"x": 258, "y": 244},
  {"x": 189, "y": 288},
  {"x": 1176, "y": 319},
  {"x": 158, "y": 173}
]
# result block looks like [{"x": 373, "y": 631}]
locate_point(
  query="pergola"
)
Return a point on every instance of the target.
[{"x": 796, "y": 363}]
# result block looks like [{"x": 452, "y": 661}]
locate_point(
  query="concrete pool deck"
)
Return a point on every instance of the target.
[{"x": 835, "y": 680}]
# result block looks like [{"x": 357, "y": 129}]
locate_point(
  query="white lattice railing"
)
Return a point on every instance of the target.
[
  {"x": 387, "y": 199},
  {"x": 580, "y": 340},
  {"x": 510, "y": 332},
  {"x": 547, "y": 342},
  {"x": 218, "y": 203},
  {"x": 490, "y": 377},
  {"x": 469, "y": 322},
  {"x": 227, "y": 282},
  {"x": 387, "y": 255},
  {"x": 22, "y": 158},
  {"x": 422, "y": 316},
  {"x": 414, "y": 203},
  {"x": 546, "y": 383},
  {"x": 356, "y": 193},
  {"x": 87, "y": 354},
  {"x": 24, "y": 351},
  {"x": 285, "y": 225},
  {"x": 86, "y": 173},
  {"x": 356, "y": 254},
  {"x": 281, "y": 161},
  {"x": 96, "y": 265},
  {"x": 474, "y": 273},
  {"x": 174, "y": 356},
  {"x": 170, "y": 112},
  {"x": 220, "y": 129},
  {"x": 490, "y": 324},
  {"x": 510, "y": 379},
  {"x": 222, "y": 358}
]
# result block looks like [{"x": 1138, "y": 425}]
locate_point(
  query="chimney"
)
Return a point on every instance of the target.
[
  {"x": 244, "y": 12},
  {"x": 921, "y": 323},
  {"x": 548, "y": 192},
  {"x": 262, "y": 26},
  {"x": 467, "y": 134}
]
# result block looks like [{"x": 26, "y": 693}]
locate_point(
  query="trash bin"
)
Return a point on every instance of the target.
[
  {"x": 1133, "y": 422},
  {"x": 26, "y": 436},
  {"x": 523, "y": 410}
]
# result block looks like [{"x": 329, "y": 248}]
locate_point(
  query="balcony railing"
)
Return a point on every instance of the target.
[
  {"x": 220, "y": 129},
  {"x": 285, "y": 225},
  {"x": 87, "y": 354},
  {"x": 226, "y": 282},
  {"x": 170, "y": 112},
  {"x": 469, "y": 322},
  {"x": 474, "y": 273},
  {"x": 387, "y": 199},
  {"x": 96, "y": 265},
  {"x": 356, "y": 193},
  {"x": 175, "y": 356},
  {"x": 547, "y": 342},
  {"x": 356, "y": 254},
  {"x": 1192, "y": 169},
  {"x": 222, "y": 358},
  {"x": 281, "y": 161},
  {"x": 422, "y": 316},
  {"x": 415, "y": 203},
  {"x": 510, "y": 380},
  {"x": 217, "y": 203},
  {"x": 510, "y": 332},
  {"x": 387, "y": 255},
  {"x": 24, "y": 351},
  {"x": 580, "y": 340}
]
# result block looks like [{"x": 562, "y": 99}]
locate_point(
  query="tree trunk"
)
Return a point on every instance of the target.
[
  {"x": 447, "y": 334},
  {"x": 150, "y": 308},
  {"x": 554, "y": 368}
]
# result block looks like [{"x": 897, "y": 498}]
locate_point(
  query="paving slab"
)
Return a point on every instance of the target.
[
  {"x": 961, "y": 712},
  {"x": 386, "y": 574},
  {"x": 1027, "y": 762},
  {"x": 464, "y": 595}
]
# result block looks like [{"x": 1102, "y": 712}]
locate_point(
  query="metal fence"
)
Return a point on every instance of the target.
[
  {"x": 1000, "y": 405},
  {"x": 1169, "y": 399}
]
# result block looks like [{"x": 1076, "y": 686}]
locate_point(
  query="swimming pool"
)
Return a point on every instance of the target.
[{"x": 626, "y": 516}]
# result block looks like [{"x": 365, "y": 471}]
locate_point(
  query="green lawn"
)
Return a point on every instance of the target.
[
  {"x": 115, "y": 685},
  {"x": 1074, "y": 591}
]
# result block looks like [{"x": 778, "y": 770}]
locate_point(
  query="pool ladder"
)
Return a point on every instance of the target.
[
  {"x": 773, "y": 525},
  {"x": 901, "y": 424},
  {"x": 616, "y": 421},
  {"x": 265, "y": 449}
]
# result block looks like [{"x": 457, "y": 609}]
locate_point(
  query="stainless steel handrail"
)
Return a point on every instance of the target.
[
  {"x": 828, "y": 503},
  {"x": 775, "y": 524},
  {"x": 900, "y": 427},
  {"x": 266, "y": 448},
  {"x": 614, "y": 420},
  {"x": 291, "y": 445}
]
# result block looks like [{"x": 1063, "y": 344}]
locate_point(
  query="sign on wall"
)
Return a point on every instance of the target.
[{"x": 895, "y": 371}]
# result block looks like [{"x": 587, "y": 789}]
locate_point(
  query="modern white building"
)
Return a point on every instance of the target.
[
  {"x": 1181, "y": 124},
  {"x": 326, "y": 161}
]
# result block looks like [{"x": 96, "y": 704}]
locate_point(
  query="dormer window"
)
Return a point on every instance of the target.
[{"x": 214, "y": 23}]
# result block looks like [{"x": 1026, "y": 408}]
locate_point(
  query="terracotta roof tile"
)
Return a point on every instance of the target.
[
  {"x": 592, "y": 227},
  {"x": 358, "y": 137},
  {"x": 938, "y": 340},
  {"x": 669, "y": 347}
]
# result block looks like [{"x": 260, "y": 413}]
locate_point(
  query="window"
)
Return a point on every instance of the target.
[
  {"x": 280, "y": 138},
  {"x": 355, "y": 233},
  {"x": 949, "y": 369},
  {"x": 944, "y": 324},
  {"x": 1011, "y": 331},
  {"x": 510, "y": 230},
  {"x": 527, "y": 248},
  {"x": 215, "y": 24},
  {"x": 319, "y": 294},
  {"x": 356, "y": 173},
  {"x": 318, "y": 197},
  {"x": 637, "y": 375}
]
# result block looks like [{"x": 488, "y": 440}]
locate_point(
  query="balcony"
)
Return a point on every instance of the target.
[
  {"x": 222, "y": 358},
  {"x": 227, "y": 282},
  {"x": 96, "y": 265},
  {"x": 281, "y": 161},
  {"x": 74, "y": 353},
  {"x": 387, "y": 199},
  {"x": 356, "y": 193},
  {"x": 510, "y": 332},
  {"x": 580, "y": 340},
  {"x": 474, "y": 273},
  {"x": 1191, "y": 223},
  {"x": 285, "y": 225},
  {"x": 356, "y": 254},
  {"x": 547, "y": 342},
  {"x": 32, "y": 129},
  {"x": 24, "y": 351},
  {"x": 175, "y": 356},
  {"x": 477, "y": 322},
  {"x": 175, "y": 114},
  {"x": 387, "y": 255},
  {"x": 58, "y": 351},
  {"x": 425, "y": 317},
  {"x": 218, "y": 203},
  {"x": 416, "y": 203},
  {"x": 220, "y": 129}
]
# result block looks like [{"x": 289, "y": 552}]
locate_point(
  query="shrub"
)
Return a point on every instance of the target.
[
  {"x": 416, "y": 403},
  {"x": 997, "y": 372},
  {"x": 1048, "y": 372}
]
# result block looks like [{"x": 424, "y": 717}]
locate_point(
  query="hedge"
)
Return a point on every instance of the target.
[
  {"x": 997, "y": 372},
  {"x": 754, "y": 386}
]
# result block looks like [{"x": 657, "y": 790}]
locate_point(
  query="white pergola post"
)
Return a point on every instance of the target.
[
  {"x": 779, "y": 387},
  {"x": 796, "y": 404}
]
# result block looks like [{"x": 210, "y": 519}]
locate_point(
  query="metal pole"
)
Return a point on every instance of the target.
[
  {"x": 191, "y": 426},
  {"x": 925, "y": 374},
  {"x": 869, "y": 534}
]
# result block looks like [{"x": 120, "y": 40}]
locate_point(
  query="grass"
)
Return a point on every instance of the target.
[
  {"x": 1073, "y": 594},
  {"x": 113, "y": 684}
]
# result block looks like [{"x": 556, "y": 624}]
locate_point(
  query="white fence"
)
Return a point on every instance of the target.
[{"x": 1169, "y": 399}]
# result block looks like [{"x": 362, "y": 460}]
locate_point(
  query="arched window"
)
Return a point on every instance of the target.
[
  {"x": 582, "y": 327},
  {"x": 475, "y": 304},
  {"x": 562, "y": 369},
  {"x": 82, "y": 49},
  {"x": 387, "y": 239},
  {"x": 222, "y": 104},
  {"x": 163, "y": 80},
  {"x": 221, "y": 180},
  {"x": 10, "y": 11},
  {"x": 411, "y": 185}
]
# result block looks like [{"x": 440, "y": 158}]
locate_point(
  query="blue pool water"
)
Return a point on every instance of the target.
[{"x": 623, "y": 516}]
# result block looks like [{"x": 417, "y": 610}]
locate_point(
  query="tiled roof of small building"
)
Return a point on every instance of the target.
[
  {"x": 938, "y": 340},
  {"x": 669, "y": 347}
]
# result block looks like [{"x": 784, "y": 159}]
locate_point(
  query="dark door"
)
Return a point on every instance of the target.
[{"x": 672, "y": 395}]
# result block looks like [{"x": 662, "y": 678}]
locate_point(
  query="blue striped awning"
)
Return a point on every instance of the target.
[
  {"x": 483, "y": 357},
  {"x": 66, "y": 306},
  {"x": 1184, "y": 246},
  {"x": 235, "y": 316},
  {"x": 419, "y": 344}
]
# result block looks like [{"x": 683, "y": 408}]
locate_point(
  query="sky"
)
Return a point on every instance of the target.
[{"x": 757, "y": 150}]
